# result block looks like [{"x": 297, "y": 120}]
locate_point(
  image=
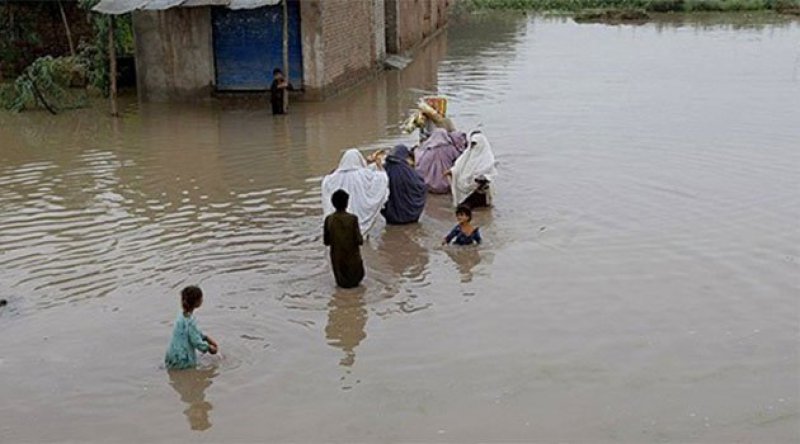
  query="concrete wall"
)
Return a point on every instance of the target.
[
  {"x": 390, "y": 11},
  {"x": 379, "y": 28},
  {"x": 174, "y": 54},
  {"x": 311, "y": 36},
  {"x": 343, "y": 43},
  {"x": 410, "y": 22}
]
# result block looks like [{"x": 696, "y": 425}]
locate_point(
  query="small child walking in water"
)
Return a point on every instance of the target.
[
  {"x": 186, "y": 336},
  {"x": 463, "y": 233}
]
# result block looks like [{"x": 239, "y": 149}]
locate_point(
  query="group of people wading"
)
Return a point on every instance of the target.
[
  {"x": 395, "y": 185},
  {"x": 392, "y": 184}
]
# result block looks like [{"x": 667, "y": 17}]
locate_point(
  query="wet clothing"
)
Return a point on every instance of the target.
[
  {"x": 186, "y": 338},
  {"x": 479, "y": 198},
  {"x": 407, "y": 189},
  {"x": 368, "y": 189},
  {"x": 474, "y": 171},
  {"x": 426, "y": 130},
  {"x": 341, "y": 232},
  {"x": 276, "y": 97},
  {"x": 458, "y": 237},
  {"x": 436, "y": 156}
]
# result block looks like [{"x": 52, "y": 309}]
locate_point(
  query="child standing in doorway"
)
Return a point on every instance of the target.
[
  {"x": 463, "y": 233},
  {"x": 186, "y": 336},
  {"x": 277, "y": 91}
]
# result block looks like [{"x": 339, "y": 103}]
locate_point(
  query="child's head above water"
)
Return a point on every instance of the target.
[
  {"x": 463, "y": 214},
  {"x": 340, "y": 199},
  {"x": 191, "y": 298}
]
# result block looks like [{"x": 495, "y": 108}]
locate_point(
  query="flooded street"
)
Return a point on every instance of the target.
[{"x": 640, "y": 279}]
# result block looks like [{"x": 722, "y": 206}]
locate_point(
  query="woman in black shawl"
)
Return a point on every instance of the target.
[{"x": 407, "y": 189}]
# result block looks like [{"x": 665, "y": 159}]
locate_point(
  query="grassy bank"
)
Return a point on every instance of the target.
[{"x": 787, "y": 6}]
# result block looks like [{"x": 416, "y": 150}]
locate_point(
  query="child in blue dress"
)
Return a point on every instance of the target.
[
  {"x": 463, "y": 233},
  {"x": 186, "y": 336}
]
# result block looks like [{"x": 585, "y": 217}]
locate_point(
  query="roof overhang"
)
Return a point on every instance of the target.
[{"x": 116, "y": 7}]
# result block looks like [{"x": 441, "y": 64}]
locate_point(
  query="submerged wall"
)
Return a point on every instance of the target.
[
  {"x": 343, "y": 44},
  {"x": 410, "y": 22},
  {"x": 174, "y": 54}
]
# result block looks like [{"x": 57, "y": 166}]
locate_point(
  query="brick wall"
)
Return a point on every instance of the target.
[
  {"x": 415, "y": 20},
  {"x": 348, "y": 42}
]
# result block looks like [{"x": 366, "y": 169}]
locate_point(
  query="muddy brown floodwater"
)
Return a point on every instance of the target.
[{"x": 640, "y": 280}]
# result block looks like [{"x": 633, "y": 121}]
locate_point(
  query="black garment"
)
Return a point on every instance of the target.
[
  {"x": 276, "y": 97},
  {"x": 478, "y": 197},
  {"x": 343, "y": 235},
  {"x": 407, "y": 189}
]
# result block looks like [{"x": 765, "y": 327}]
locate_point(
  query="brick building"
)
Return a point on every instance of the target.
[{"x": 194, "y": 48}]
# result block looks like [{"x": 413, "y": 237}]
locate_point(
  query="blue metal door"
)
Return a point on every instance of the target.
[{"x": 248, "y": 45}]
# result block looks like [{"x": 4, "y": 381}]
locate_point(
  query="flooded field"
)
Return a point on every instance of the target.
[{"x": 640, "y": 280}]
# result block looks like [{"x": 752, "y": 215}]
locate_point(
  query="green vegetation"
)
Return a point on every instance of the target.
[
  {"x": 612, "y": 16},
  {"x": 47, "y": 83},
  {"x": 18, "y": 39},
  {"x": 123, "y": 39},
  {"x": 784, "y": 6},
  {"x": 59, "y": 83}
]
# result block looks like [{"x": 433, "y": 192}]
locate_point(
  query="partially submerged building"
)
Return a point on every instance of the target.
[{"x": 194, "y": 48}]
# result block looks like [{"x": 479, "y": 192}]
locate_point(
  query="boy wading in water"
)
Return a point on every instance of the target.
[
  {"x": 463, "y": 233},
  {"x": 342, "y": 234},
  {"x": 186, "y": 336},
  {"x": 277, "y": 90}
]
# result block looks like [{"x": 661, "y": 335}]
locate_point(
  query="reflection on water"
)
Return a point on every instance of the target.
[
  {"x": 347, "y": 318},
  {"x": 638, "y": 270},
  {"x": 465, "y": 258},
  {"x": 191, "y": 385},
  {"x": 401, "y": 250}
]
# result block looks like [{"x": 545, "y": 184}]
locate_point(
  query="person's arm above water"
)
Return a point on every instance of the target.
[
  {"x": 213, "y": 347},
  {"x": 476, "y": 236},
  {"x": 326, "y": 235},
  {"x": 359, "y": 238},
  {"x": 196, "y": 337},
  {"x": 453, "y": 233}
]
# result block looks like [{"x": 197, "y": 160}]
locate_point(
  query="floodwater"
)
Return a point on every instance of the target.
[{"x": 640, "y": 281}]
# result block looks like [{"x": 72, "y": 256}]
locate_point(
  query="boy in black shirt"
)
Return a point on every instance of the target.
[{"x": 277, "y": 90}]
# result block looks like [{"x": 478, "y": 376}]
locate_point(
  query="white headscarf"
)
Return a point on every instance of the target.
[
  {"x": 476, "y": 162},
  {"x": 368, "y": 188}
]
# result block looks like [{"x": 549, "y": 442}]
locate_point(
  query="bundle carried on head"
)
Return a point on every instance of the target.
[{"x": 433, "y": 107}]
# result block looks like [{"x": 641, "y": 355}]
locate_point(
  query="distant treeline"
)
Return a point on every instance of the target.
[{"x": 647, "y": 5}]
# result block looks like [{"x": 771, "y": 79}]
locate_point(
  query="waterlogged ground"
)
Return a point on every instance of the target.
[{"x": 639, "y": 282}]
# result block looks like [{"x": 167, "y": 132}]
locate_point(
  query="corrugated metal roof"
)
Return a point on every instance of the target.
[
  {"x": 157, "y": 5},
  {"x": 251, "y": 4},
  {"x": 124, "y": 6}
]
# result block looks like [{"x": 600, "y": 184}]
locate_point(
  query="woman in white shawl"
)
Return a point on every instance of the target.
[
  {"x": 368, "y": 188},
  {"x": 473, "y": 173}
]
